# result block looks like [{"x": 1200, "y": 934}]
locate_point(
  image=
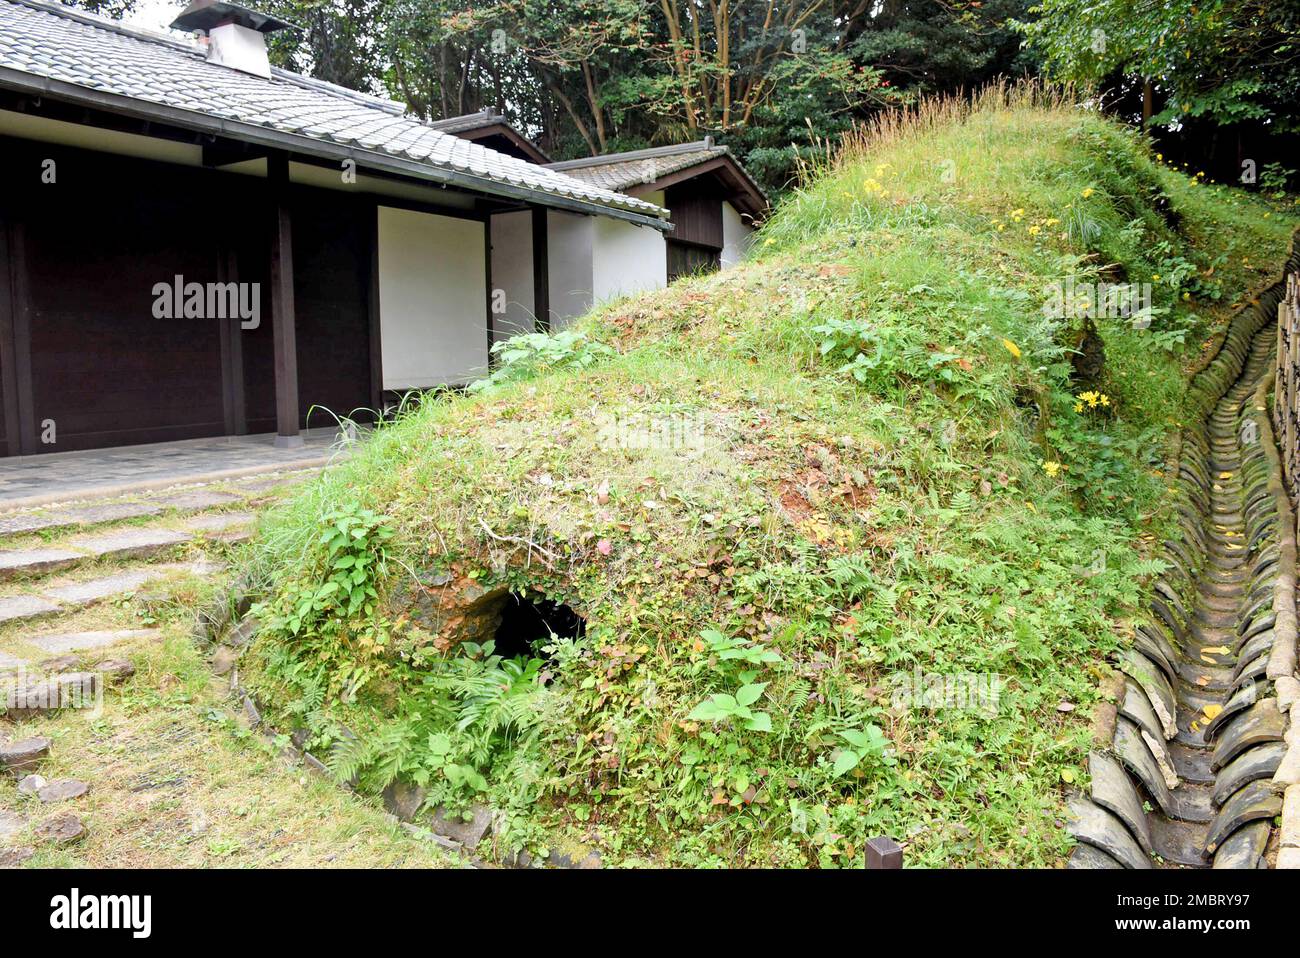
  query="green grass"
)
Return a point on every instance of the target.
[{"x": 878, "y": 468}]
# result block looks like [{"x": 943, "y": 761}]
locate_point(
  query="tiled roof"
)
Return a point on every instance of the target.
[
  {"x": 469, "y": 121},
  {"x": 486, "y": 123},
  {"x": 621, "y": 171},
  {"x": 97, "y": 57}
]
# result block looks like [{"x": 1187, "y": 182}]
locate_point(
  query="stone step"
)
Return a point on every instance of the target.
[
  {"x": 281, "y": 481},
  {"x": 60, "y": 643},
  {"x": 78, "y": 594},
  {"x": 16, "y": 608},
  {"x": 99, "y": 513},
  {"x": 133, "y": 543},
  {"x": 197, "y": 500},
  {"x": 33, "y": 562},
  {"x": 227, "y": 526},
  {"x": 91, "y": 514},
  {"x": 57, "y": 597},
  {"x": 130, "y": 543}
]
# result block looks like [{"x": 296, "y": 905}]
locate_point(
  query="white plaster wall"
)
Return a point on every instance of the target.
[
  {"x": 569, "y": 249},
  {"x": 512, "y": 273},
  {"x": 737, "y": 235},
  {"x": 628, "y": 259},
  {"x": 432, "y": 299}
]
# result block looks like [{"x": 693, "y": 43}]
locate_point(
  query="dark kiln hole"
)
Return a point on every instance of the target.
[{"x": 528, "y": 622}]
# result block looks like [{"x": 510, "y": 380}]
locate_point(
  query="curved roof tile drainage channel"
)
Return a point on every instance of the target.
[{"x": 1204, "y": 747}]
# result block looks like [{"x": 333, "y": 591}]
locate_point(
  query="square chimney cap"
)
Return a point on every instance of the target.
[{"x": 206, "y": 14}]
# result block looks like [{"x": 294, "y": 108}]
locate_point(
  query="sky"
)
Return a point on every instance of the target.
[{"x": 154, "y": 14}]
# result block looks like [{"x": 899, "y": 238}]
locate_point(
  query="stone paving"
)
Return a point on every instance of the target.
[
  {"x": 129, "y": 542},
  {"x": 34, "y": 590},
  {"x": 46, "y": 662},
  {"x": 98, "y": 472}
]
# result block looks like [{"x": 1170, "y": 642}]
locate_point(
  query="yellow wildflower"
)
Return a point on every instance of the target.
[
  {"x": 1088, "y": 192},
  {"x": 1052, "y": 467}
]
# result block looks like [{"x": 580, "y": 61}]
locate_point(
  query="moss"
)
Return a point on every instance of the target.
[{"x": 835, "y": 453}]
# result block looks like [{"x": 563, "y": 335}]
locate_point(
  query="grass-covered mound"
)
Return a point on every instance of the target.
[{"x": 778, "y": 496}]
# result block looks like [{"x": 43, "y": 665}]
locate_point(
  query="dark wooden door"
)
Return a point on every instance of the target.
[
  {"x": 104, "y": 369},
  {"x": 332, "y": 237},
  {"x": 695, "y": 244},
  {"x": 685, "y": 259}
]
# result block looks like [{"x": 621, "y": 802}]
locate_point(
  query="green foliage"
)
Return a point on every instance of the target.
[
  {"x": 861, "y": 745},
  {"x": 598, "y": 76},
  {"x": 1274, "y": 178},
  {"x": 331, "y": 633},
  {"x": 532, "y": 354},
  {"x": 736, "y": 708},
  {"x": 1228, "y": 60},
  {"x": 466, "y": 713},
  {"x": 1103, "y": 465}
]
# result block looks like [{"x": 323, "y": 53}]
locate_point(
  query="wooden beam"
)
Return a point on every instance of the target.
[
  {"x": 541, "y": 271},
  {"x": 375, "y": 315},
  {"x": 487, "y": 283},
  {"x": 21, "y": 318},
  {"x": 284, "y": 339},
  {"x": 225, "y": 154},
  {"x": 8, "y": 364},
  {"x": 232, "y": 347},
  {"x": 736, "y": 187}
]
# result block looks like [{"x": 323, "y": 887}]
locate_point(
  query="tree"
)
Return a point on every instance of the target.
[
  {"x": 1230, "y": 61},
  {"x": 583, "y": 77},
  {"x": 336, "y": 43}
]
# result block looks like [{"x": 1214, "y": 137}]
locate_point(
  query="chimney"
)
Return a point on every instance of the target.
[{"x": 236, "y": 36}]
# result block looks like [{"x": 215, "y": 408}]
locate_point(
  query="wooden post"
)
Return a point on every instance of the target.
[
  {"x": 375, "y": 313},
  {"x": 541, "y": 271},
  {"x": 288, "y": 434},
  {"x": 487, "y": 282},
  {"x": 24, "y": 442},
  {"x": 8, "y": 362},
  {"x": 884, "y": 852},
  {"x": 232, "y": 348}
]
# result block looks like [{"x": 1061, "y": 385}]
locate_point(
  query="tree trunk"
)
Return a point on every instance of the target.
[
  {"x": 573, "y": 115},
  {"x": 679, "y": 56},
  {"x": 597, "y": 112}
]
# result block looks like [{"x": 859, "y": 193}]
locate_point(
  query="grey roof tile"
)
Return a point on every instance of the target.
[
  {"x": 53, "y": 42},
  {"x": 623, "y": 174}
]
